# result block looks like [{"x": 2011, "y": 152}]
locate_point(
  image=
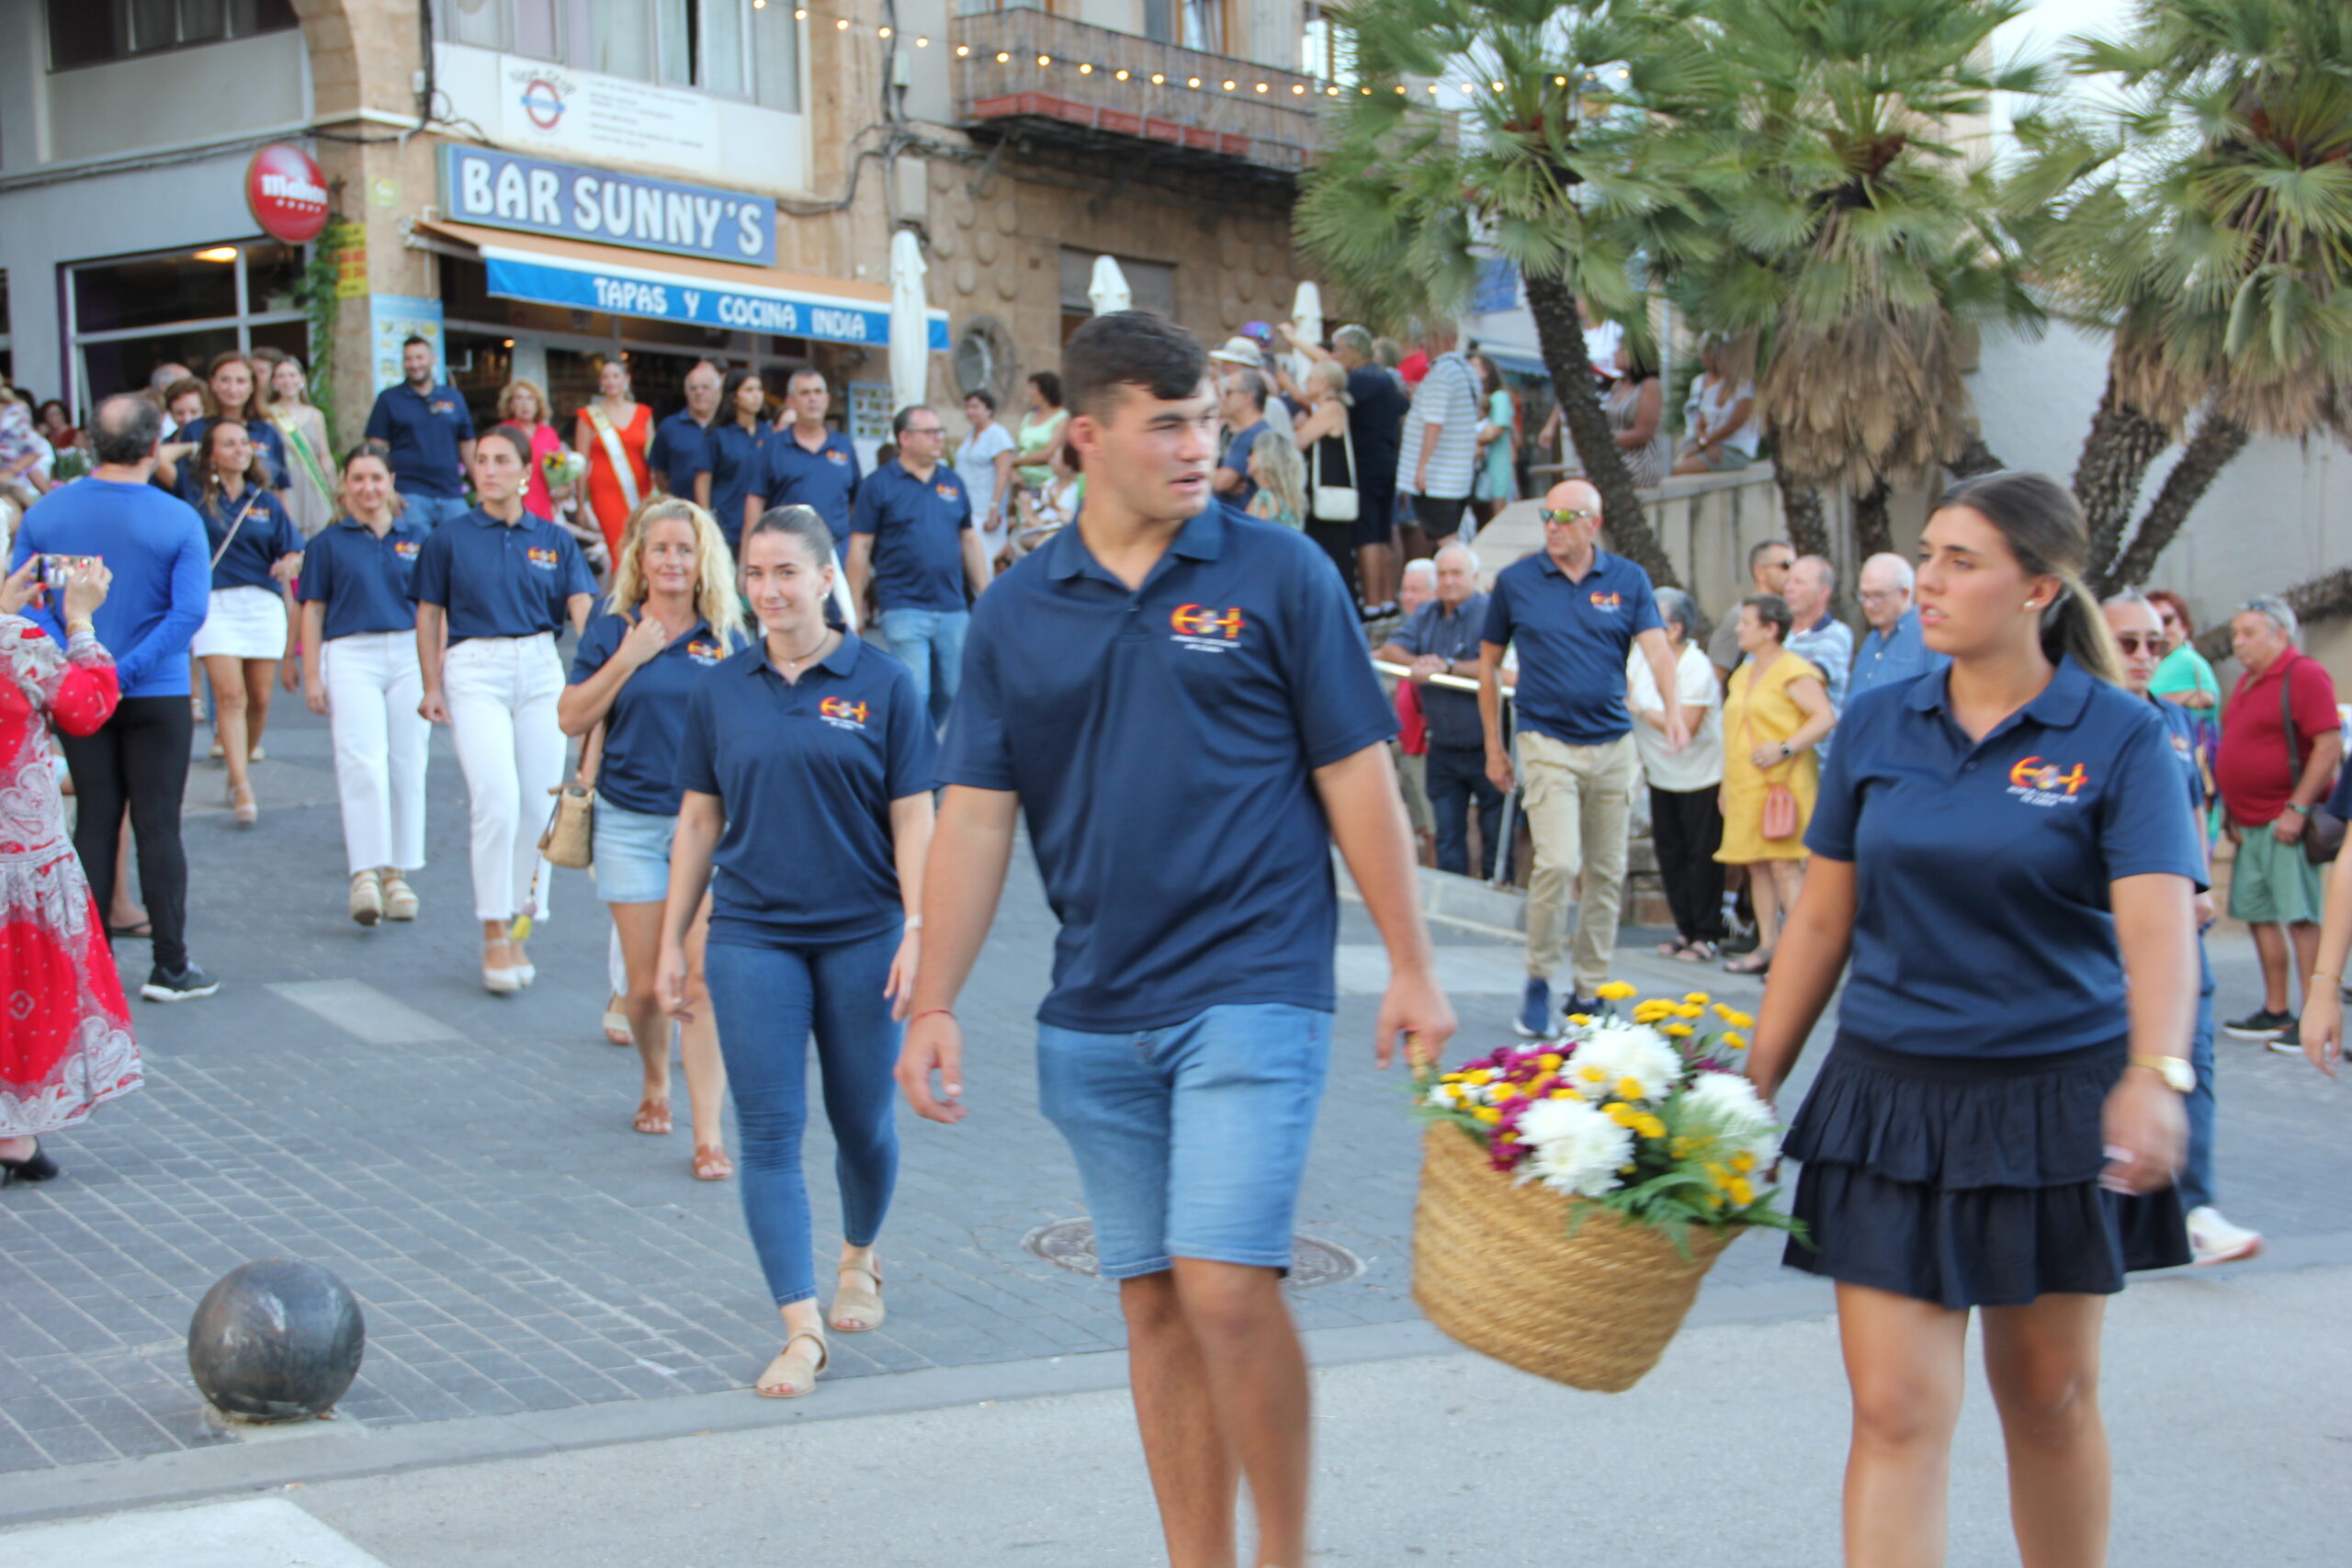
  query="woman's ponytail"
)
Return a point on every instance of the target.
[{"x": 2074, "y": 627}]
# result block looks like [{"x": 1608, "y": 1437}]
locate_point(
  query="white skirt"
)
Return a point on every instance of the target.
[{"x": 242, "y": 623}]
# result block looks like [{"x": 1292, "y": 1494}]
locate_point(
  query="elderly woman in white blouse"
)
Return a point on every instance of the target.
[{"x": 1686, "y": 818}]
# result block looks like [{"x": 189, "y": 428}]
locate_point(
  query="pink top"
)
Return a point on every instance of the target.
[{"x": 545, "y": 443}]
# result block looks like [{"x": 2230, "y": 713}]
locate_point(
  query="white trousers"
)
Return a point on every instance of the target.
[
  {"x": 501, "y": 694},
  {"x": 380, "y": 744}
]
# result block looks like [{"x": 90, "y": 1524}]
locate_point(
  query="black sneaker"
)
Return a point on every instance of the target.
[
  {"x": 1587, "y": 1007},
  {"x": 187, "y": 986},
  {"x": 2289, "y": 1041},
  {"x": 2261, "y": 1025}
]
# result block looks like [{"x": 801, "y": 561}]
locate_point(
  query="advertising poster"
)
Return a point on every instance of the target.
[{"x": 393, "y": 318}]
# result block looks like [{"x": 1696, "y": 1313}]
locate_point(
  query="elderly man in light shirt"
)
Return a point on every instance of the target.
[{"x": 1893, "y": 649}]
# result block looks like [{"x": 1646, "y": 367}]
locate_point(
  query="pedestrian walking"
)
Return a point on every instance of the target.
[
  {"x": 431, "y": 433},
  {"x": 1997, "y": 1128},
  {"x": 2141, "y": 645},
  {"x": 809, "y": 463},
  {"x": 738, "y": 448},
  {"x": 1776, "y": 714},
  {"x": 806, "y": 767},
  {"x": 2281, "y": 743},
  {"x": 246, "y": 635},
  {"x": 1183, "y": 1046},
  {"x": 1577, "y": 613},
  {"x": 523, "y": 405},
  {"x": 153, "y": 546},
  {"x": 231, "y": 390},
  {"x": 303, "y": 431},
  {"x": 984, "y": 462},
  {"x": 359, "y": 669},
  {"x": 1892, "y": 650},
  {"x": 65, "y": 1041},
  {"x": 1438, "y": 453},
  {"x": 673, "y": 616},
  {"x": 493, "y": 590},
  {"x": 680, "y": 453},
  {"x": 1441, "y": 638},
  {"x": 912, "y": 538},
  {"x": 1686, "y": 787},
  {"x": 615, "y": 431}
]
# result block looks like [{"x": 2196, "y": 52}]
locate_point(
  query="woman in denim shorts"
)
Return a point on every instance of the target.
[{"x": 672, "y": 618}]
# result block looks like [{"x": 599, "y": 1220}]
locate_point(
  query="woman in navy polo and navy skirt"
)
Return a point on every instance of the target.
[
  {"x": 1999, "y": 1122},
  {"x": 805, "y": 764},
  {"x": 673, "y": 616},
  {"x": 493, "y": 589},
  {"x": 255, "y": 549}
]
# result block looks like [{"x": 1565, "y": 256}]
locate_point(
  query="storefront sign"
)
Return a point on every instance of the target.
[
  {"x": 628, "y": 292},
  {"x": 288, "y": 193},
  {"x": 351, "y": 270},
  {"x": 582, "y": 113},
  {"x": 392, "y": 319},
  {"x": 502, "y": 191}
]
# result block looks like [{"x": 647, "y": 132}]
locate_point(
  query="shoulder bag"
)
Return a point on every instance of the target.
[
  {"x": 1780, "y": 800},
  {"x": 2323, "y": 828},
  {"x": 569, "y": 838},
  {"x": 1335, "y": 503},
  {"x": 231, "y": 536}
]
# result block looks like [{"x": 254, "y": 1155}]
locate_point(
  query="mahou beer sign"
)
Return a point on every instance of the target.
[{"x": 288, "y": 193}]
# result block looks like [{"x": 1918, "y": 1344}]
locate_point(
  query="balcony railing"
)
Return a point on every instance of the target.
[{"x": 1089, "y": 82}]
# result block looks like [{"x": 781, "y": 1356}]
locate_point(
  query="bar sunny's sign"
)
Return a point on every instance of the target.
[{"x": 532, "y": 196}]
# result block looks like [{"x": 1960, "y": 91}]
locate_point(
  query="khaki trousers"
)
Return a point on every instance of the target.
[
  {"x": 1579, "y": 801},
  {"x": 1412, "y": 780}
]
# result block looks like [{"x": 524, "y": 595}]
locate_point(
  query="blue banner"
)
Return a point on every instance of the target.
[
  {"x": 602, "y": 207},
  {"x": 672, "y": 297}
]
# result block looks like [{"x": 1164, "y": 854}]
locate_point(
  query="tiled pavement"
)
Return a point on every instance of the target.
[{"x": 464, "y": 1162}]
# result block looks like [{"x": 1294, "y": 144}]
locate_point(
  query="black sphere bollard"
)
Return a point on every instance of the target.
[{"x": 276, "y": 1340}]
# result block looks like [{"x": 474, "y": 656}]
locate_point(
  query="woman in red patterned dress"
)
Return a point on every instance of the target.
[{"x": 65, "y": 1043}]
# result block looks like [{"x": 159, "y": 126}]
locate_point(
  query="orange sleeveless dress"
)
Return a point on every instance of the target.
[{"x": 606, "y": 497}]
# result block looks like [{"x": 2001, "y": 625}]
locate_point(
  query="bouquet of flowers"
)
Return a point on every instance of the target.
[
  {"x": 563, "y": 467},
  {"x": 1574, "y": 1193}
]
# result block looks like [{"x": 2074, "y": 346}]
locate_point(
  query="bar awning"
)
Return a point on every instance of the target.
[
  {"x": 675, "y": 289},
  {"x": 1512, "y": 356}
]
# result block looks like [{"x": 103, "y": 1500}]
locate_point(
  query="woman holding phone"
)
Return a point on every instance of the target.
[{"x": 255, "y": 552}]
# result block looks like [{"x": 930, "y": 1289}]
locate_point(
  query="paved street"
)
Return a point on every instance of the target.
[{"x": 465, "y": 1163}]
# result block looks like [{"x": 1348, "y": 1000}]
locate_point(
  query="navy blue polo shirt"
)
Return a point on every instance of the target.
[
  {"x": 679, "y": 452},
  {"x": 363, "y": 580},
  {"x": 1989, "y": 860},
  {"x": 266, "y": 437},
  {"x": 648, "y": 712},
  {"x": 825, "y": 478},
  {"x": 496, "y": 581},
  {"x": 254, "y": 545},
  {"x": 1163, "y": 741},
  {"x": 806, "y": 774},
  {"x": 423, "y": 429},
  {"x": 1574, "y": 638},
  {"x": 737, "y": 459},
  {"x": 917, "y": 527},
  {"x": 1237, "y": 457},
  {"x": 1453, "y": 715}
]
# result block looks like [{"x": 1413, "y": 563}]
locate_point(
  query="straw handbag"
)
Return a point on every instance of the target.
[{"x": 571, "y": 836}]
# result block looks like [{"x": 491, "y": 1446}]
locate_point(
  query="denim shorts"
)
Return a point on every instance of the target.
[
  {"x": 1190, "y": 1139},
  {"x": 632, "y": 854}
]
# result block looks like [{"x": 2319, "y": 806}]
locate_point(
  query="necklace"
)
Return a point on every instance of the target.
[{"x": 792, "y": 666}]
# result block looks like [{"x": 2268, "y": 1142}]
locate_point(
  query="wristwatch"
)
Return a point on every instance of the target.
[
  {"x": 2299, "y": 806},
  {"x": 2178, "y": 1075}
]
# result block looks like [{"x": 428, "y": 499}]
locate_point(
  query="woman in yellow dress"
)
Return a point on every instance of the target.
[{"x": 1775, "y": 709}]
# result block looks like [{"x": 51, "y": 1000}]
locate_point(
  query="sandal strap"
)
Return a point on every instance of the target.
[
  {"x": 862, "y": 1268},
  {"x": 824, "y": 1352}
]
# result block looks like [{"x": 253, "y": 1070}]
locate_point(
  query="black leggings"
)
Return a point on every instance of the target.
[
  {"x": 137, "y": 758},
  {"x": 1687, "y": 830}
]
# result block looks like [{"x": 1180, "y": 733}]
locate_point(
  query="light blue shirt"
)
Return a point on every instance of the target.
[
  {"x": 1828, "y": 646},
  {"x": 1885, "y": 659}
]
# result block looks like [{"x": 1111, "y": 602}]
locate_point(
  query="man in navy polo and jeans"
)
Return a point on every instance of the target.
[
  {"x": 1178, "y": 701},
  {"x": 1575, "y": 612},
  {"x": 809, "y": 463},
  {"x": 680, "y": 445},
  {"x": 432, "y": 438},
  {"x": 911, "y": 535}
]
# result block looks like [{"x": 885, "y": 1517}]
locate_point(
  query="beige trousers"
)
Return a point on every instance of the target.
[
  {"x": 1579, "y": 801},
  {"x": 1412, "y": 779}
]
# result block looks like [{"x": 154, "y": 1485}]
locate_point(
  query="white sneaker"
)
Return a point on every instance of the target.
[{"x": 2212, "y": 1239}]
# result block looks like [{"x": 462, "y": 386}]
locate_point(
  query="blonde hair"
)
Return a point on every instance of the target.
[
  {"x": 715, "y": 597},
  {"x": 1332, "y": 374},
  {"x": 506, "y": 400},
  {"x": 1281, "y": 470}
]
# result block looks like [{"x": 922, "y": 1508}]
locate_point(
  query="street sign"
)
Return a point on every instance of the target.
[{"x": 288, "y": 193}]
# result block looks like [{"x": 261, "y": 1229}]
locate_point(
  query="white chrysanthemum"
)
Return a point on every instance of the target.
[
  {"x": 1573, "y": 1148},
  {"x": 1442, "y": 1096},
  {"x": 1622, "y": 1051},
  {"x": 1728, "y": 1105}
]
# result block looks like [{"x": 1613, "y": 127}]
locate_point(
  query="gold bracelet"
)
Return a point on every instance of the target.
[
  {"x": 73, "y": 627},
  {"x": 2328, "y": 974}
]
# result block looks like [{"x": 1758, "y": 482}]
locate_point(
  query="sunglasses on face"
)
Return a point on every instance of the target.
[
  {"x": 2140, "y": 642},
  {"x": 1577, "y": 514}
]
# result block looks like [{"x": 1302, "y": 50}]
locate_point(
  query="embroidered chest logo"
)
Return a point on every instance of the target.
[
  {"x": 842, "y": 714},
  {"x": 703, "y": 652},
  {"x": 834, "y": 454},
  {"x": 2181, "y": 748},
  {"x": 1206, "y": 629},
  {"x": 442, "y": 406},
  {"x": 2045, "y": 785},
  {"x": 944, "y": 492},
  {"x": 542, "y": 557},
  {"x": 407, "y": 549},
  {"x": 1606, "y": 600}
]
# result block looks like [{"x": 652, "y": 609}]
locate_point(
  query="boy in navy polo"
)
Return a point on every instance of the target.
[
  {"x": 1180, "y": 703},
  {"x": 911, "y": 537},
  {"x": 430, "y": 434}
]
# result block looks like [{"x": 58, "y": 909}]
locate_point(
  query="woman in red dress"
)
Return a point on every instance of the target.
[
  {"x": 614, "y": 433},
  {"x": 65, "y": 1042}
]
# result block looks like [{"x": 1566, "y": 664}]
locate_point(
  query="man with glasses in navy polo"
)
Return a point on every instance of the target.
[
  {"x": 431, "y": 435},
  {"x": 1178, "y": 701},
  {"x": 911, "y": 537}
]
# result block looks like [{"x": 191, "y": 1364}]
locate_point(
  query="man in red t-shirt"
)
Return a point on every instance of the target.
[{"x": 2280, "y": 742}]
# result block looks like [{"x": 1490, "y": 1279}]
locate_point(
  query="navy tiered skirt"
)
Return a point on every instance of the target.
[{"x": 1970, "y": 1181}]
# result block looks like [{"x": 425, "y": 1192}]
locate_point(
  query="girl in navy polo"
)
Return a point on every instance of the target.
[
  {"x": 672, "y": 616},
  {"x": 738, "y": 452},
  {"x": 1999, "y": 1122},
  {"x": 806, "y": 766},
  {"x": 359, "y": 669},
  {"x": 493, "y": 588},
  {"x": 255, "y": 550}
]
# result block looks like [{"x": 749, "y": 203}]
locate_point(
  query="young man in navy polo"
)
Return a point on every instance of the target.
[
  {"x": 1575, "y": 612},
  {"x": 809, "y": 463},
  {"x": 680, "y": 445},
  {"x": 432, "y": 438},
  {"x": 1178, "y": 701},
  {"x": 911, "y": 537}
]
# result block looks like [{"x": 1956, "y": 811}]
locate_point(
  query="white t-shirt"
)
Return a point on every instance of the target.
[
  {"x": 976, "y": 466},
  {"x": 1699, "y": 765},
  {"x": 1714, "y": 398}
]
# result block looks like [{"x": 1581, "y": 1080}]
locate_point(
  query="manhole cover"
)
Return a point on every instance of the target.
[{"x": 1069, "y": 1244}]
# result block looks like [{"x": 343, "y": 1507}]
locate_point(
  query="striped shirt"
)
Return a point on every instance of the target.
[{"x": 1448, "y": 398}]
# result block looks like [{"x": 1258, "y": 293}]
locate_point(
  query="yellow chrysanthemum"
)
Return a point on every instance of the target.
[
  {"x": 1567, "y": 1092},
  {"x": 1580, "y": 1019},
  {"x": 1696, "y": 999},
  {"x": 1741, "y": 1192},
  {"x": 1741, "y": 1020},
  {"x": 1690, "y": 1009},
  {"x": 1629, "y": 1089},
  {"x": 1649, "y": 1127},
  {"x": 1502, "y": 1091},
  {"x": 1549, "y": 1061},
  {"x": 1743, "y": 1162},
  {"x": 1735, "y": 1039},
  {"x": 1592, "y": 1074},
  {"x": 1484, "y": 1075},
  {"x": 1614, "y": 990},
  {"x": 1488, "y": 1114},
  {"x": 1717, "y": 1174},
  {"x": 1675, "y": 1031}
]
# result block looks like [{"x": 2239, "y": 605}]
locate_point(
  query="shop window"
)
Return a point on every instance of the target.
[
  {"x": 92, "y": 32},
  {"x": 128, "y": 315},
  {"x": 736, "y": 48}
]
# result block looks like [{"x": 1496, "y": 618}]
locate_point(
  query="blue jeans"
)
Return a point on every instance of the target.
[
  {"x": 768, "y": 1001},
  {"x": 929, "y": 643},
  {"x": 434, "y": 510},
  {"x": 1456, "y": 778},
  {"x": 2197, "y": 1172}
]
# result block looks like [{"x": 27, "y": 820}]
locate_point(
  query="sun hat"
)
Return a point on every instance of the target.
[{"x": 1239, "y": 351}]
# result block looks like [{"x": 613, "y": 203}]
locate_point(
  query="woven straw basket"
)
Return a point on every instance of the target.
[{"x": 1495, "y": 1268}]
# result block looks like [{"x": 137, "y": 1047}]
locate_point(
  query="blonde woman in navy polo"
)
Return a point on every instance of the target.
[
  {"x": 673, "y": 616},
  {"x": 1999, "y": 1122}
]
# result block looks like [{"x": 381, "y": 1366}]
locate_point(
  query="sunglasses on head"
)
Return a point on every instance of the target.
[{"x": 2140, "y": 642}]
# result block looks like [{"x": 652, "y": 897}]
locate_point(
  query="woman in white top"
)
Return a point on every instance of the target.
[
  {"x": 1686, "y": 818},
  {"x": 1722, "y": 431},
  {"x": 310, "y": 463},
  {"x": 984, "y": 462}
]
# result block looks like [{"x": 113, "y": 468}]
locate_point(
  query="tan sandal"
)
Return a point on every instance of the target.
[
  {"x": 772, "y": 1388},
  {"x": 857, "y": 1311},
  {"x": 711, "y": 1163}
]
